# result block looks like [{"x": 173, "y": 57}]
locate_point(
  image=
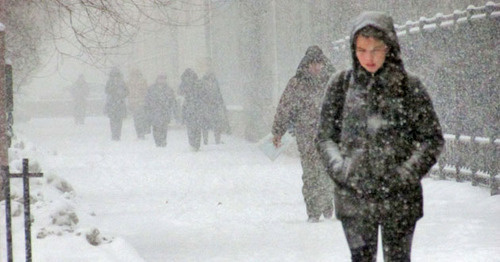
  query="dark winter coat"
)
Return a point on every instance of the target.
[
  {"x": 215, "y": 109},
  {"x": 159, "y": 103},
  {"x": 372, "y": 128},
  {"x": 116, "y": 93},
  {"x": 192, "y": 108},
  {"x": 299, "y": 106}
]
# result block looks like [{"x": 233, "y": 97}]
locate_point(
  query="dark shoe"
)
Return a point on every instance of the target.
[
  {"x": 313, "y": 219},
  {"x": 328, "y": 214},
  {"x": 161, "y": 144}
]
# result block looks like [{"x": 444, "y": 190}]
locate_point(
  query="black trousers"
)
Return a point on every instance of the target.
[
  {"x": 160, "y": 134},
  {"x": 362, "y": 236},
  {"x": 141, "y": 123},
  {"x": 194, "y": 135},
  {"x": 116, "y": 127}
]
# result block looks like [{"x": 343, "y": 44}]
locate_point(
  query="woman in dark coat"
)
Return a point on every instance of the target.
[
  {"x": 116, "y": 108},
  {"x": 159, "y": 103},
  {"x": 378, "y": 136},
  {"x": 192, "y": 108}
]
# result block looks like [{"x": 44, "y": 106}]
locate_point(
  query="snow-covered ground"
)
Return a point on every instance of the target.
[{"x": 136, "y": 202}]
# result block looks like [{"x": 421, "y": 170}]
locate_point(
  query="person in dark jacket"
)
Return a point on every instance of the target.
[
  {"x": 192, "y": 108},
  {"x": 378, "y": 135},
  {"x": 80, "y": 92},
  {"x": 159, "y": 103},
  {"x": 216, "y": 114},
  {"x": 299, "y": 107},
  {"x": 116, "y": 108}
]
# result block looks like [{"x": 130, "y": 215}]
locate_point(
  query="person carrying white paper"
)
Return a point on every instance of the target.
[{"x": 299, "y": 108}]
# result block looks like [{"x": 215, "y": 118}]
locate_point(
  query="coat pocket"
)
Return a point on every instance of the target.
[{"x": 353, "y": 169}]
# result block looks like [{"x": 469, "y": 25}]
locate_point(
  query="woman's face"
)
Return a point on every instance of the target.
[{"x": 370, "y": 53}]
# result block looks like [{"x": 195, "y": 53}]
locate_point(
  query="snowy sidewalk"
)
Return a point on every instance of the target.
[{"x": 225, "y": 203}]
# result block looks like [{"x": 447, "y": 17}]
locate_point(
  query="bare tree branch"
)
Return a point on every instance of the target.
[{"x": 95, "y": 28}]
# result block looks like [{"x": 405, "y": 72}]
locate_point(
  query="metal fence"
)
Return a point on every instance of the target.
[{"x": 473, "y": 159}]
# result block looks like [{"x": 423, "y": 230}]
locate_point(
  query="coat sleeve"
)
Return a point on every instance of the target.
[
  {"x": 148, "y": 101},
  {"x": 425, "y": 131},
  {"x": 219, "y": 98},
  {"x": 183, "y": 89},
  {"x": 329, "y": 127},
  {"x": 108, "y": 87},
  {"x": 172, "y": 102},
  {"x": 285, "y": 110},
  {"x": 125, "y": 90}
]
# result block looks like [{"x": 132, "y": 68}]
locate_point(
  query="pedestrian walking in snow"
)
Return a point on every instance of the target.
[
  {"x": 138, "y": 88},
  {"x": 160, "y": 102},
  {"x": 378, "y": 136},
  {"x": 299, "y": 107},
  {"x": 193, "y": 114},
  {"x": 80, "y": 92},
  {"x": 215, "y": 109},
  {"x": 116, "y": 108}
]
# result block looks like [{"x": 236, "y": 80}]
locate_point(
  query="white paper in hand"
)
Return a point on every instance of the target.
[{"x": 267, "y": 147}]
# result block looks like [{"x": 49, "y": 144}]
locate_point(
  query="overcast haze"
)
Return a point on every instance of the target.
[{"x": 229, "y": 202}]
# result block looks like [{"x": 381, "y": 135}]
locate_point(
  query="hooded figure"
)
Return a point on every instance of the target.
[
  {"x": 159, "y": 104},
  {"x": 215, "y": 109},
  {"x": 378, "y": 136},
  {"x": 138, "y": 89},
  {"x": 116, "y": 108},
  {"x": 192, "y": 108},
  {"x": 299, "y": 107}
]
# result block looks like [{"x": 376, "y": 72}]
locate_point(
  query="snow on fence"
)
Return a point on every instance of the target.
[
  {"x": 490, "y": 10},
  {"x": 467, "y": 158},
  {"x": 439, "y": 20}
]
